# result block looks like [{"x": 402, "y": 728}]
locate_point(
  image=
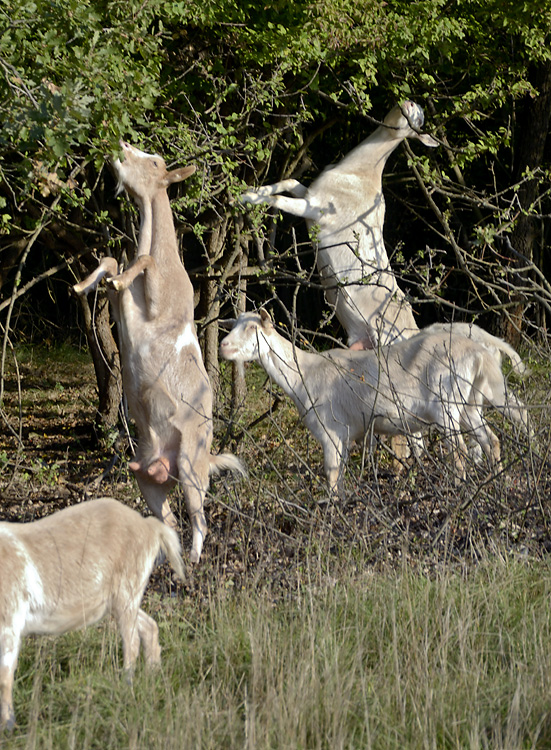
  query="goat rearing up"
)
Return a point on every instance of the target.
[
  {"x": 346, "y": 206},
  {"x": 440, "y": 379},
  {"x": 70, "y": 569},
  {"x": 166, "y": 385}
]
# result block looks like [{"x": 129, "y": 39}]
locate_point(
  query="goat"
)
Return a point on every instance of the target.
[
  {"x": 69, "y": 570},
  {"x": 346, "y": 206},
  {"x": 165, "y": 382},
  {"x": 471, "y": 331},
  {"x": 342, "y": 395}
]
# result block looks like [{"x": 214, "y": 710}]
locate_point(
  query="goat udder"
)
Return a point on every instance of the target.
[
  {"x": 159, "y": 470},
  {"x": 361, "y": 344}
]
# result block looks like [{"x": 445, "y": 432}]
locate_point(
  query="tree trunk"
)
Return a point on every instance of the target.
[
  {"x": 533, "y": 126},
  {"x": 105, "y": 356},
  {"x": 239, "y": 386},
  {"x": 211, "y": 337}
]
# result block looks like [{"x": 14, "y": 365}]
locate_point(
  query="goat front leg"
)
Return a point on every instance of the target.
[
  {"x": 123, "y": 280},
  {"x": 334, "y": 458},
  {"x": 9, "y": 651},
  {"x": 108, "y": 267},
  {"x": 301, "y": 207},
  {"x": 295, "y": 188},
  {"x": 400, "y": 448},
  {"x": 458, "y": 449}
]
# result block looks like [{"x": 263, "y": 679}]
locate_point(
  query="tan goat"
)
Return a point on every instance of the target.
[
  {"x": 70, "y": 569},
  {"x": 165, "y": 382}
]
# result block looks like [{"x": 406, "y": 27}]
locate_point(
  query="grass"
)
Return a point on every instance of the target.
[
  {"x": 394, "y": 660},
  {"x": 414, "y": 614}
]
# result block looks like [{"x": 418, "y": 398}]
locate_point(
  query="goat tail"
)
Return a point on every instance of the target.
[
  {"x": 517, "y": 364},
  {"x": 499, "y": 395},
  {"x": 226, "y": 461},
  {"x": 472, "y": 331},
  {"x": 169, "y": 544}
]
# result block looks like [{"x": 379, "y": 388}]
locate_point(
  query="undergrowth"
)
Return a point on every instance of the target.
[{"x": 412, "y": 613}]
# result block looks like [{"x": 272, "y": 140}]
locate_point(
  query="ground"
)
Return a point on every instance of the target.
[{"x": 263, "y": 528}]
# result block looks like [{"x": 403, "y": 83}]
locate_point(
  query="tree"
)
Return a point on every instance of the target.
[{"x": 252, "y": 94}]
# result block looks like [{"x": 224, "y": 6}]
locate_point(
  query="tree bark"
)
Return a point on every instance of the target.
[
  {"x": 107, "y": 366},
  {"x": 533, "y": 127}
]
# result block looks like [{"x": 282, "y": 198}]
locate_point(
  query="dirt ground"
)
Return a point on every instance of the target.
[{"x": 267, "y": 530}]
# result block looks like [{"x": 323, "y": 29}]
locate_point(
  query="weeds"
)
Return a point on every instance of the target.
[
  {"x": 365, "y": 661},
  {"x": 414, "y": 613}
]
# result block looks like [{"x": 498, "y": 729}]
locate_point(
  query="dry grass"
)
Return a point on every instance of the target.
[{"x": 413, "y": 614}]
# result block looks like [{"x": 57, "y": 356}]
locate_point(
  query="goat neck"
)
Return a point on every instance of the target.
[
  {"x": 403, "y": 121},
  {"x": 287, "y": 365}
]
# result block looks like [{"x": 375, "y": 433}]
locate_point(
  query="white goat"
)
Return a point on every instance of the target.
[
  {"x": 430, "y": 379},
  {"x": 166, "y": 385},
  {"x": 70, "y": 569},
  {"x": 345, "y": 205}
]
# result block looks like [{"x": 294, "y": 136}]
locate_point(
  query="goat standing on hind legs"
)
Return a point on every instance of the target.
[
  {"x": 166, "y": 385},
  {"x": 345, "y": 206}
]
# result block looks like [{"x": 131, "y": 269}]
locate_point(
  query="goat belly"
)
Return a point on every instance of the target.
[{"x": 65, "y": 616}]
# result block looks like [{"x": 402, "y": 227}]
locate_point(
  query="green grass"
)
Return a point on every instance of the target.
[
  {"x": 413, "y": 614},
  {"x": 376, "y": 660}
]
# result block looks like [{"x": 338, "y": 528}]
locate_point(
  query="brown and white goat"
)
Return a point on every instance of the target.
[
  {"x": 165, "y": 382},
  {"x": 345, "y": 207},
  {"x": 441, "y": 379},
  {"x": 69, "y": 570}
]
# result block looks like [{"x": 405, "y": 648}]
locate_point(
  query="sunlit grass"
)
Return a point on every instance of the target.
[
  {"x": 368, "y": 661},
  {"x": 414, "y": 613}
]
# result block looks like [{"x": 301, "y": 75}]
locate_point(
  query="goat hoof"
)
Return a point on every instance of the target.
[{"x": 116, "y": 285}]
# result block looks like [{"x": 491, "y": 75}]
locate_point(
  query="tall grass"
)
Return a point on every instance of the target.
[
  {"x": 413, "y": 614},
  {"x": 379, "y": 660}
]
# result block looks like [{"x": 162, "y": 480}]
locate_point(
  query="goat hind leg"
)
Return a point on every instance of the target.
[
  {"x": 195, "y": 483},
  {"x": 128, "y": 626},
  {"x": 194, "y": 504},
  {"x": 155, "y": 496},
  {"x": 488, "y": 441},
  {"x": 149, "y": 638},
  {"x": 7, "y": 716}
]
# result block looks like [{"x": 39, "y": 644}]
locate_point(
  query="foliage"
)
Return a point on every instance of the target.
[{"x": 254, "y": 93}]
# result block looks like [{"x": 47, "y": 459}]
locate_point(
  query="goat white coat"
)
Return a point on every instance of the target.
[
  {"x": 345, "y": 208},
  {"x": 440, "y": 379},
  {"x": 70, "y": 569}
]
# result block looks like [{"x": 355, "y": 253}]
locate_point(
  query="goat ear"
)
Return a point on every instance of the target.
[
  {"x": 427, "y": 140},
  {"x": 227, "y": 323},
  {"x": 177, "y": 175},
  {"x": 265, "y": 318}
]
